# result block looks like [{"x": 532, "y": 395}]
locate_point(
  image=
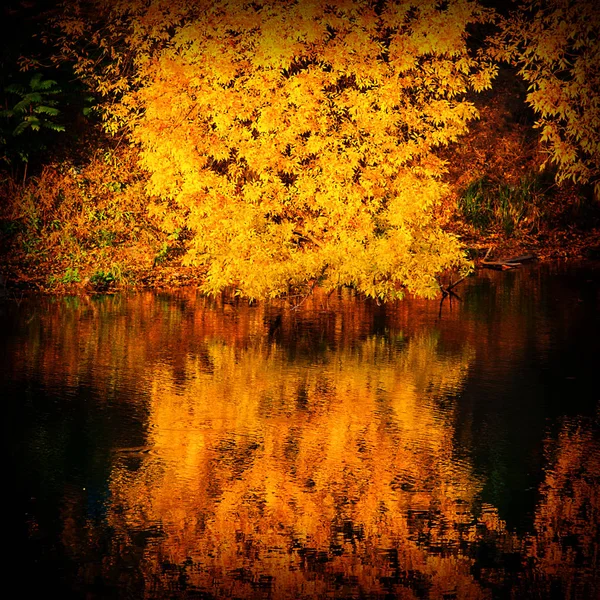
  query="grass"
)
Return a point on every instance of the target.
[
  {"x": 70, "y": 276},
  {"x": 486, "y": 204}
]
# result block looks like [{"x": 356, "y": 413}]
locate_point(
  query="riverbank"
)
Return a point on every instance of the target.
[
  {"x": 85, "y": 229},
  {"x": 68, "y": 234},
  {"x": 84, "y": 223},
  {"x": 80, "y": 230},
  {"x": 25, "y": 277}
]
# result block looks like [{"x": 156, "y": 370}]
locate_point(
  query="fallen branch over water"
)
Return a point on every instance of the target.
[{"x": 505, "y": 263}]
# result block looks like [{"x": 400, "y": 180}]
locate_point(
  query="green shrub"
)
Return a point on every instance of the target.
[{"x": 103, "y": 280}]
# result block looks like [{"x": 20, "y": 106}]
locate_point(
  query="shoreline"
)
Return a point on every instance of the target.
[{"x": 562, "y": 246}]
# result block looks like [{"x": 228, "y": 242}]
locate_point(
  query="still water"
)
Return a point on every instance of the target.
[{"x": 169, "y": 446}]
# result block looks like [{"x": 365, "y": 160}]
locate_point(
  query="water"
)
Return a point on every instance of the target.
[{"x": 167, "y": 446}]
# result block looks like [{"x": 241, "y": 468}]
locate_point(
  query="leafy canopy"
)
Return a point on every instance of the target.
[
  {"x": 555, "y": 45},
  {"x": 295, "y": 140}
]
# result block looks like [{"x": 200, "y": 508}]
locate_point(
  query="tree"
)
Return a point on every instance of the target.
[
  {"x": 554, "y": 43},
  {"x": 294, "y": 140}
]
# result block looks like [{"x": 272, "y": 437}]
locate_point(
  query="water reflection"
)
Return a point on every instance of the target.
[
  {"x": 564, "y": 546},
  {"x": 298, "y": 471},
  {"x": 169, "y": 446}
]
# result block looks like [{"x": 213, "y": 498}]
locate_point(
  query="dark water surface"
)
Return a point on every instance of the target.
[{"x": 168, "y": 446}]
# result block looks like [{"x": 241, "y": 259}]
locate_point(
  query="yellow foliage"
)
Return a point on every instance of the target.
[
  {"x": 298, "y": 138},
  {"x": 555, "y": 45}
]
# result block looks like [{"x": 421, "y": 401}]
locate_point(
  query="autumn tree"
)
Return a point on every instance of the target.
[
  {"x": 554, "y": 44},
  {"x": 295, "y": 140}
]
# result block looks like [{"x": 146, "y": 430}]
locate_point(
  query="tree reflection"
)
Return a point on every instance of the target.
[
  {"x": 335, "y": 469},
  {"x": 205, "y": 446},
  {"x": 564, "y": 547}
]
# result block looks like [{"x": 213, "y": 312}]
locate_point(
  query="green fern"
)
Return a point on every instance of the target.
[{"x": 37, "y": 108}]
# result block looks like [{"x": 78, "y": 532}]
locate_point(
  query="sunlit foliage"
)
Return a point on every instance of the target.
[
  {"x": 554, "y": 43},
  {"x": 295, "y": 140}
]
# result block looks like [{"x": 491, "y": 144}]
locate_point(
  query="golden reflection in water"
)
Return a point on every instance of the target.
[
  {"x": 308, "y": 456},
  {"x": 259, "y": 469},
  {"x": 564, "y": 546}
]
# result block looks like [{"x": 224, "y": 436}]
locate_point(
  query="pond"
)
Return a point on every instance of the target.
[{"x": 171, "y": 446}]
